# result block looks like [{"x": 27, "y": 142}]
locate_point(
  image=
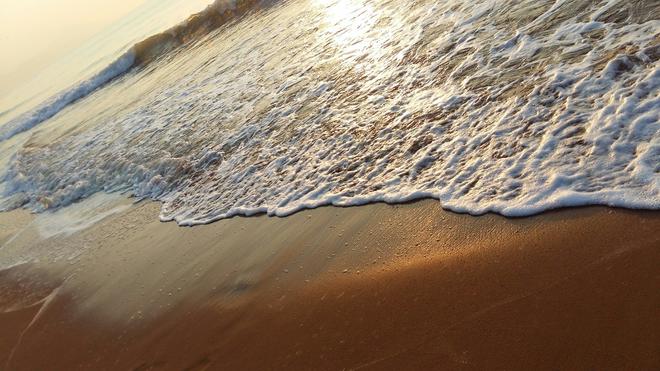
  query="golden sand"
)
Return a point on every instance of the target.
[{"x": 371, "y": 287}]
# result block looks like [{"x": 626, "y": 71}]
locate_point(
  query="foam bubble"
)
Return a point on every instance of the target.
[{"x": 511, "y": 107}]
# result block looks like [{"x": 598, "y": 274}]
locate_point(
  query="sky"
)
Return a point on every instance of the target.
[{"x": 35, "y": 32}]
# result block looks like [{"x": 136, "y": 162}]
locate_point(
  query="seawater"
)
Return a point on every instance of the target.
[{"x": 272, "y": 107}]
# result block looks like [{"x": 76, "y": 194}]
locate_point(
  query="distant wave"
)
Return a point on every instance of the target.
[
  {"x": 140, "y": 54},
  {"x": 196, "y": 26},
  {"x": 55, "y": 104}
]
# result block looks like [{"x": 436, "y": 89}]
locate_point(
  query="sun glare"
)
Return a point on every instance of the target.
[{"x": 349, "y": 22}]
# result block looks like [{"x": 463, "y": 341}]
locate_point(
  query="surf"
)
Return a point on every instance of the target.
[
  {"x": 139, "y": 55},
  {"x": 505, "y": 107}
]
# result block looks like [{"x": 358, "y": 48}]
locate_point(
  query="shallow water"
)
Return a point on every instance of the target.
[{"x": 512, "y": 107}]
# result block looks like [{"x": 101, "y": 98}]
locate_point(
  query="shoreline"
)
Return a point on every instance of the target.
[{"x": 377, "y": 286}]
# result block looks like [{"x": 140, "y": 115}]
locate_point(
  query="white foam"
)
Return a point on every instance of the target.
[
  {"x": 511, "y": 107},
  {"x": 58, "y": 102}
]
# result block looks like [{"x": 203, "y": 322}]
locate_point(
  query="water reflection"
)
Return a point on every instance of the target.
[{"x": 351, "y": 26}]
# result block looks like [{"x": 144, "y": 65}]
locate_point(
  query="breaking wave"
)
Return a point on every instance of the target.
[
  {"x": 510, "y": 107},
  {"x": 57, "y": 103},
  {"x": 140, "y": 54}
]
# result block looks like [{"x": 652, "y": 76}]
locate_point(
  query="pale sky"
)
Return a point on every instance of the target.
[{"x": 35, "y": 32}]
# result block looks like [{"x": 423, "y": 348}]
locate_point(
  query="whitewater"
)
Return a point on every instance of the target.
[{"x": 271, "y": 107}]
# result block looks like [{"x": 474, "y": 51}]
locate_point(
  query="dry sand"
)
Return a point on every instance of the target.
[{"x": 371, "y": 287}]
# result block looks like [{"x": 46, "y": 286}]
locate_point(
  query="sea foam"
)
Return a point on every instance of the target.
[{"x": 508, "y": 107}]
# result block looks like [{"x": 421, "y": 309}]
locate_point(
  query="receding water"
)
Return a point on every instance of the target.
[{"x": 512, "y": 107}]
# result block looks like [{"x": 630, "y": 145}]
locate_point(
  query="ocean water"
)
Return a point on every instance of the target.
[
  {"x": 275, "y": 106},
  {"x": 103, "y": 57}
]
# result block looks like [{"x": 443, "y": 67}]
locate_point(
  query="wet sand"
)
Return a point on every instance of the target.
[{"x": 371, "y": 287}]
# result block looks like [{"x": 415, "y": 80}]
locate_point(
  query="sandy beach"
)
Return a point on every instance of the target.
[
  {"x": 330, "y": 185},
  {"x": 373, "y": 287}
]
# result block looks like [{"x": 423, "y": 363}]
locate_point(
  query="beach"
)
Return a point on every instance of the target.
[
  {"x": 408, "y": 286},
  {"x": 330, "y": 185}
]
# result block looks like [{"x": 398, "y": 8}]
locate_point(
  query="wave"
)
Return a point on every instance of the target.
[
  {"x": 197, "y": 25},
  {"x": 58, "y": 102},
  {"x": 506, "y": 107}
]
